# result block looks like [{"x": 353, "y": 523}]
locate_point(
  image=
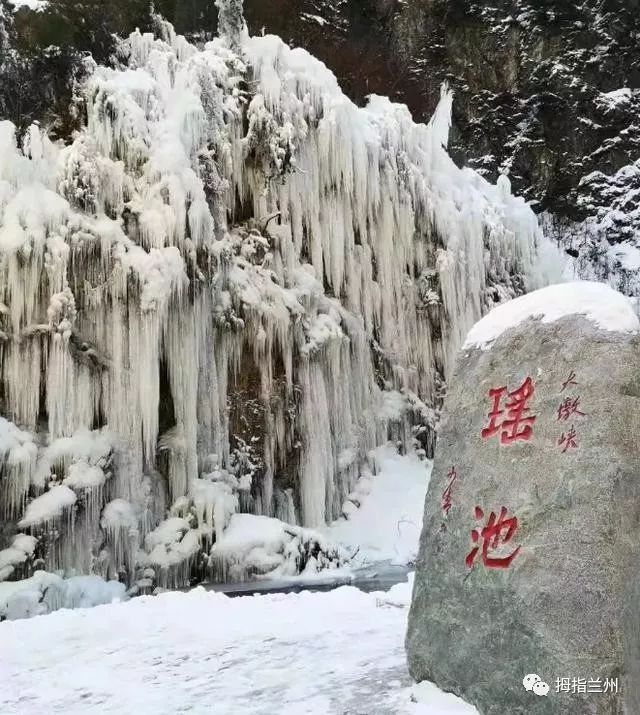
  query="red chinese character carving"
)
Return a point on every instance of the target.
[
  {"x": 446, "y": 494},
  {"x": 568, "y": 440},
  {"x": 569, "y": 407},
  {"x": 517, "y": 425},
  {"x": 492, "y": 536},
  {"x": 571, "y": 380}
]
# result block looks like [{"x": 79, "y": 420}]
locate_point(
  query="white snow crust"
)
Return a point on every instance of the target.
[{"x": 603, "y": 306}]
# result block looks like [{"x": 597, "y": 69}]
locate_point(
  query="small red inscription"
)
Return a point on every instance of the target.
[
  {"x": 513, "y": 422},
  {"x": 498, "y": 530},
  {"x": 571, "y": 380},
  {"x": 446, "y": 494},
  {"x": 568, "y": 440},
  {"x": 569, "y": 407}
]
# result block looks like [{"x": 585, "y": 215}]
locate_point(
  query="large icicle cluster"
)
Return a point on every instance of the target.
[{"x": 221, "y": 296}]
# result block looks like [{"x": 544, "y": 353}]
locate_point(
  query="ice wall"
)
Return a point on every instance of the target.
[{"x": 226, "y": 291}]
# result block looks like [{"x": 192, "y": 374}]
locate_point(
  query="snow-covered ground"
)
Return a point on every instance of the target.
[
  {"x": 388, "y": 522},
  {"x": 310, "y": 653},
  {"x": 338, "y": 652}
]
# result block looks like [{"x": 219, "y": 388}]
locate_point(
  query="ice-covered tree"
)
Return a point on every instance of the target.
[{"x": 231, "y": 24}]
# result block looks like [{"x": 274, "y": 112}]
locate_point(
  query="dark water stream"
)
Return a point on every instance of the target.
[{"x": 377, "y": 577}]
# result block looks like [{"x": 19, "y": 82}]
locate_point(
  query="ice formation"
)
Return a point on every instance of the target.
[
  {"x": 45, "y": 592},
  {"x": 228, "y": 289}
]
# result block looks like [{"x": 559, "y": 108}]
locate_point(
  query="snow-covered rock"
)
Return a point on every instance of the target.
[
  {"x": 530, "y": 537},
  {"x": 260, "y": 546},
  {"x": 21, "y": 549}
]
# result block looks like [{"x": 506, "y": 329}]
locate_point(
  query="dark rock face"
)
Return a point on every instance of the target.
[
  {"x": 529, "y": 552},
  {"x": 545, "y": 89},
  {"x": 536, "y": 81}
]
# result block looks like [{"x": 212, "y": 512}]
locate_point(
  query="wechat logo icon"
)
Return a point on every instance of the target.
[{"x": 534, "y": 683}]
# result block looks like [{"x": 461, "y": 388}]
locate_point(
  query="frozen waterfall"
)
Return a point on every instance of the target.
[{"x": 228, "y": 289}]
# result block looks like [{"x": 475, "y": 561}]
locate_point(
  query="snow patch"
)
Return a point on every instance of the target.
[
  {"x": 430, "y": 700},
  {"x": 34, "y": 5},
  {"x": 627, "y": 255},
  {"x": 314, "y": 18},
  {"x": 48, "y": 507},
  {"x": 615, "y": 98}
]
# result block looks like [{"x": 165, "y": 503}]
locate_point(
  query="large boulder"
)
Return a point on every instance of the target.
[{"x": 529, "y": 560}]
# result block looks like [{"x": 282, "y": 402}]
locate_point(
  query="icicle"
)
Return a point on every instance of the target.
[
  {"x": 18, "y": 457},
  {"x": 120, "y": 523}
]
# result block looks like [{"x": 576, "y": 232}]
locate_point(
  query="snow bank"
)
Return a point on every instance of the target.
[
  {"x": 46, "y": 592},
  {"x": 260, "y": 546},
  {"x": 383, "y": 515},
  {"x": 608, "y": 309}
]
